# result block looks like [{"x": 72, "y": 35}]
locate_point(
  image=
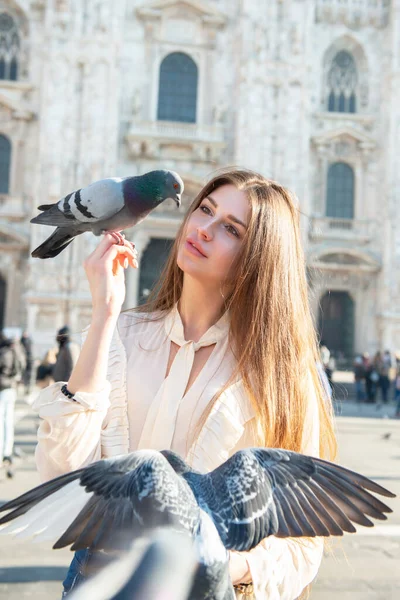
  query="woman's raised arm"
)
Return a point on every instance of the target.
[
  {"x": 105, "y": 272},
  {"x": 69, "y": 434}
]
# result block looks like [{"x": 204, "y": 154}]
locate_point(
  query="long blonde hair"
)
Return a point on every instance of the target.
[{"x": 271, "y": 329}]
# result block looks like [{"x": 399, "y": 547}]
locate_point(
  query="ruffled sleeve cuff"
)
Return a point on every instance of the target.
[
  {"x": 282, "y": 568},
  {"x": 51, "y": 402}
]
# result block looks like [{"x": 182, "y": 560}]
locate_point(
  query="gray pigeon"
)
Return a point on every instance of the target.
[
  {"x": 256, "y": 493},
  {"x": 110, "y": 205}
]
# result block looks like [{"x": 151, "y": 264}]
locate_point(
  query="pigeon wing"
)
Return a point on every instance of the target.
[
  {"x": 105, "y": 505},
  {"x": 96, "y": 202},
  {"x": 261, "y": 492}
]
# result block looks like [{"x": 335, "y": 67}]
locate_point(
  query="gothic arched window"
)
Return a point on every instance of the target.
[
  {"x": 5, "y": 160},
  {"x": 340, "y": 191},
  {"x": 9, "y": 47},
  {"x": 342, "y": 83},
  {"x": 177, "y": 91}
]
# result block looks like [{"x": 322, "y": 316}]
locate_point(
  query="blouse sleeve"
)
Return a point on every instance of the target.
[
  {"x": 282, "y": 567},
  {"x": 75, "y": 433}
]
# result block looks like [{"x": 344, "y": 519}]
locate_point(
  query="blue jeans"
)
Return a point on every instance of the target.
[
  {"x": 84, "y": 564},
  {"x": 76, "y": 572},
  {"x": 360, "y": 390}
]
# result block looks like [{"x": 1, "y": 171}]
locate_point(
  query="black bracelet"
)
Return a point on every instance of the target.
[{"x": 67, "y": 393}]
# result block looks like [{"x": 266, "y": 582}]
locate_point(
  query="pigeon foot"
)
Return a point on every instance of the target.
[{"x": 119, "y": 237}]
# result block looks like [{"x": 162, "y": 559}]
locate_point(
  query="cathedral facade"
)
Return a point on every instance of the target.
[{"x": 304, "y": 91}]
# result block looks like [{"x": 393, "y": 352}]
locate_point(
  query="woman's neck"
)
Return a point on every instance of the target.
[{"x": 200, "y": 307}]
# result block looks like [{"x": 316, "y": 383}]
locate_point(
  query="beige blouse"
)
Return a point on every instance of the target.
[{"x": 123, "y": 417}]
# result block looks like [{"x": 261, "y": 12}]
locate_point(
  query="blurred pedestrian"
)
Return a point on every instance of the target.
[
  {"x": 26, "y": 344},
  {"x": 383, "y": 364},
  {"x": 10, "y": 374},
  {"x": 397, "y": 392},
  {"x": 44, "y": 372},
  {"x": 359, "y": 378},
  {"x": 67, "y": 355},
  {"x": 371, "y": 378},
  {"x": 327, "y": 362}
]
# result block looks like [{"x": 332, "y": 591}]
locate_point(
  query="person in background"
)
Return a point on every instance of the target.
[
  {"x": 10, "y": 374},
  {"x": 397, "y": 391},
  {"x": 370, "y": 378},
  {"x": 44, "y": 372},
  {"x": 327, "y": 362},
  {"x": 382, "y": 366},
  {"x": 67, "y": 355},
  {"x": 26, "y": 344},
  {"x": 359, "y": 377}
]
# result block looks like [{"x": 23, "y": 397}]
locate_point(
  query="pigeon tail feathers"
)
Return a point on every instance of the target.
[
  {"x": 54, "y": 244},
  {"x": 46, "y": 206}
]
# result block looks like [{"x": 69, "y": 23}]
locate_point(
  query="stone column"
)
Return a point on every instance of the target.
[{"x": 319, "y": 201}]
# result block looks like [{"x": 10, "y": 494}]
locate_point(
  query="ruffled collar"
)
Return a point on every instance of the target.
[{"x": 174, "y": 329}]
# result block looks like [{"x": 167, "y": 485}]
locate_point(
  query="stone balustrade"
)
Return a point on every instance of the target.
[
  {"x": 353, "y": 13},
  {"x": 14, "y": 208},
  {"x": 192, "y": 141},
  {"x": 329, "y": 228}
]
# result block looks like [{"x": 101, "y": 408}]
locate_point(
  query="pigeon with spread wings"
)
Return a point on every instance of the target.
[{"x": 256, "y": 493}]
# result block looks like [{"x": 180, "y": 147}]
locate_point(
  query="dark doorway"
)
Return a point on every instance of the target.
[
  {"x": 336, "y": 323},
  {"x": 3, "y": 290},
  {"x": 152, "y": 264}
]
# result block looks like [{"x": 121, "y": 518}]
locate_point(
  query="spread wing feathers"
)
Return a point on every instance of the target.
[
  {"x": 105, "y": 505},
  {"x": 96, "y": 202},
  {"x": 262, "y": 492}
]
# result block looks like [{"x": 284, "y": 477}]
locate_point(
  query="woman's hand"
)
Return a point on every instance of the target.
[
  {"x": 238, "y": 568},
  {"x": 105, "y": 272}
]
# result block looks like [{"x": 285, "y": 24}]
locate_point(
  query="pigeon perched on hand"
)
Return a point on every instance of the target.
[
  {"x": 108, "y": 205},
  {"x": 256, "y": 493}
]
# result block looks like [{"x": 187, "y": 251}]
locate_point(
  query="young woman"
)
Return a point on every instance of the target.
[{"x": 222, "y": 357}]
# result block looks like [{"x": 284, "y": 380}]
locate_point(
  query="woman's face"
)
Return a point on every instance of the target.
[{"x": 214, "y": 235}]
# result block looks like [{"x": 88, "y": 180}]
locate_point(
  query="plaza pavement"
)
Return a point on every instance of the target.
[{"x": 365, "y": 566}]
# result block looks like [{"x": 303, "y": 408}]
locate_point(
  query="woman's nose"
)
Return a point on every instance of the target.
[{"x": 204, "y": 232}]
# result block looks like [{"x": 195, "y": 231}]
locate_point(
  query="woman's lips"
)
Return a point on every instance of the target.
[{"x": 193, "y": 250}]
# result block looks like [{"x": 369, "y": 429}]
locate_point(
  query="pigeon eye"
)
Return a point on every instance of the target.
[{"x": 176, "y": 186}]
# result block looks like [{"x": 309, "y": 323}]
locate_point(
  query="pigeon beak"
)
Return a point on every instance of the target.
[{"x": 178, "y": 200}]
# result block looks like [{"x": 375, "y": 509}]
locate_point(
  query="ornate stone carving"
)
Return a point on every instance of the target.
[
  {"x": 296, "y": 39},
  {"x": 137, "y": 103},
  {"x": 220, "y": 113},
  {"x": 343, "y": 147}
]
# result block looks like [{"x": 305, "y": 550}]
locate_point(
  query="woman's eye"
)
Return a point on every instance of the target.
[
  {"x": 232, "y": 230},
  {"x": 205, "y": 209}
]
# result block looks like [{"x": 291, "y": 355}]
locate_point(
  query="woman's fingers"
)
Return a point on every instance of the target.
[
  {"x": 108, "y": 249},
  {"x": 120, "y": 257},
  {"x": 108, "y": 240},
  {"x": 122, "y": 262}
]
